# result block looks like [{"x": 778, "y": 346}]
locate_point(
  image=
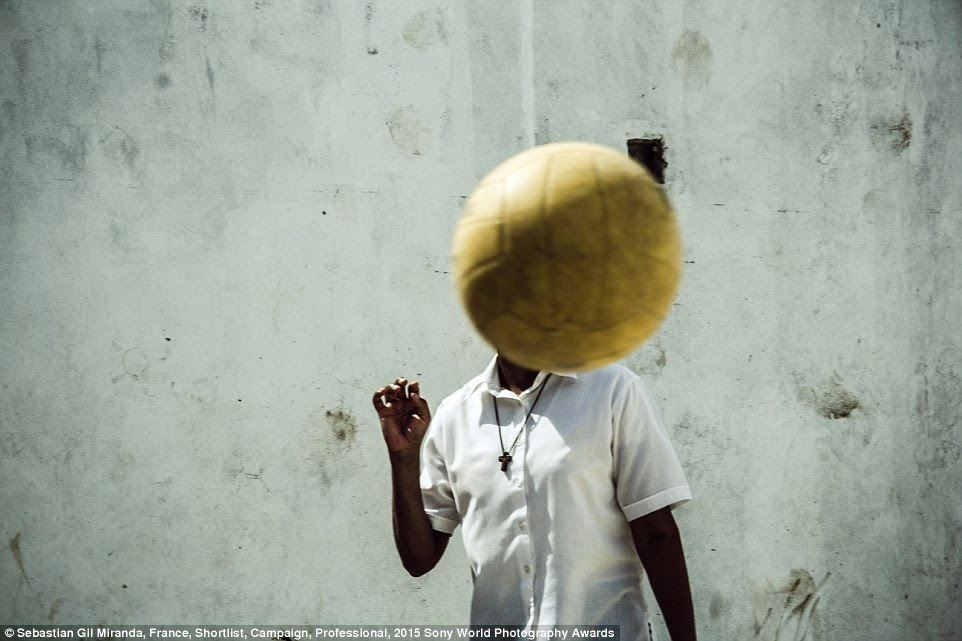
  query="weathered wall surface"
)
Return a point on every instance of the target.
[{"x": 222, "y": 224}]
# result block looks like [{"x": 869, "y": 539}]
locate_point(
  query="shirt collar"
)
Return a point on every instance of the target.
[{"x": 491, "y": 382}]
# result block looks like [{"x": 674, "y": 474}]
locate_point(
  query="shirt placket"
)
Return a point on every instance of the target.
[{"x": 520, "y": 525}]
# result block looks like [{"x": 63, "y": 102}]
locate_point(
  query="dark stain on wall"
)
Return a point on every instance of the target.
[
  {"x": 210, "y": 73},
  {"x": 54, "y": 609},
  {"x": 17, "y": 552},
  {"x": 938, "y": 406},
  {"x": 894, "y": 134},
  {"x": 343, "y": 425},
  {"x": 21, "y": 58},
  {"x": 649, "y": 359},
  {"x": 332, "y": 434},
  {"x": 318, "y": 7},
  {"x": 831, "y": 400},
  {"x": 199, "y": 13},
  {"x": 69, "y": 148},
  {"x": 838, "y": 403},
  {"x": 792, "y": 609},
  {"x": 718, "y": 607},
  {"x": 99, "y": 50}
]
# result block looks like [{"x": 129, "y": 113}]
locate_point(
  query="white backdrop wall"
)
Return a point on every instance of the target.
[{"x": 223, "y": 223}]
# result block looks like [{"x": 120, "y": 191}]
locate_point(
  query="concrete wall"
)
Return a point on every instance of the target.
[{"x": 224, "y": 222}]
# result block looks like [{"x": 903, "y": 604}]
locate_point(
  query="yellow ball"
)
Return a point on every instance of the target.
[{"x": 567, "y": 256}]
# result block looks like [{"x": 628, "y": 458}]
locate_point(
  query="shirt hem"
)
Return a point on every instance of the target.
[
  {"x": 441, "y": 524},
  {"x": 672, "y": 498}
]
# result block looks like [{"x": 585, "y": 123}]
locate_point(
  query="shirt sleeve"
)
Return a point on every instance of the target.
[
  {"x": 647, "y": 472},
  {"x": 439, "y": 503}
]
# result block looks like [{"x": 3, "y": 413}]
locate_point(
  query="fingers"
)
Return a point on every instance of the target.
[
  {"x": 400, "y": 390},
  {"x": 390, "y": 393},
  {"x": 378, "y": 399}
]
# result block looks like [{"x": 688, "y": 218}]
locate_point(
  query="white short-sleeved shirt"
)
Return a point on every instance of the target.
[{"x": 548, "y": 540}]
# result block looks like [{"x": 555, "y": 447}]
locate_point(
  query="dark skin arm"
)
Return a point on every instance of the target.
[
  {"x": 659, "y": 546},
  {"x": 404, "y": 418}
]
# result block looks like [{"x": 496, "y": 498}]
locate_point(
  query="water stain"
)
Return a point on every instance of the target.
[
  {"x": 54, "y": 610},
  {"x": 318, "y": 7},
  {"x": 118, "y": 145},
  {"x": 692, "y": 59},
  {"x": 21, "y": 57},
  {"x": 649, "y": 359},
  {"x": 893, "y": 134},
  {"x": 8, "y": 12},
  {"x": 425, "y": 28},
  {"x": 99, "y": 50},
  {"x": 938, "y": 406},
  {"x": 69, "y": 148},
  {"x": 162, "y": 81},
  {"x": 163, "y": 18},
  {"x": 407, "y": 131},
  {"x": 717, "y": 608}
]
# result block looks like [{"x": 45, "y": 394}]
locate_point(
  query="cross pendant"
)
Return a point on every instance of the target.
[{"x": 504, "y": 459}]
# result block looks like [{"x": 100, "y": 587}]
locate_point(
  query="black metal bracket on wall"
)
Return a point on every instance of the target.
[{"x": 650, "y": 152}]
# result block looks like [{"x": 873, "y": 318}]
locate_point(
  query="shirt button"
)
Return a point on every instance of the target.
[
  {"x": 521, "y": 525},
  {"x": 527, "y": 569}
]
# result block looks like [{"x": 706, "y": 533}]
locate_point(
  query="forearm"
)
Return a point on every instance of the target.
[
  {"x": 418, "y": 545},
  {"x": 661, "y": 552},
  {"x": 669, "y": 582}
]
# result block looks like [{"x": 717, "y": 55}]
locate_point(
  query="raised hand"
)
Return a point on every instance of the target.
[{"x": 404, "y": 416}]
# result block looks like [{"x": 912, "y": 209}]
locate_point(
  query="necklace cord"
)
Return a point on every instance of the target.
[{"x": 497, "y": 417}]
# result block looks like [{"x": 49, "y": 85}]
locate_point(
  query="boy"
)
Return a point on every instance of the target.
[{"x": 563, "y": 485}]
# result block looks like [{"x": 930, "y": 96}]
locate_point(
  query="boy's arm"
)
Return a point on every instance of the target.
[
  {"x": 404, "y": 418},
  {"x": 418, "y": 544},
  {"x": 659, "y": 546}
]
